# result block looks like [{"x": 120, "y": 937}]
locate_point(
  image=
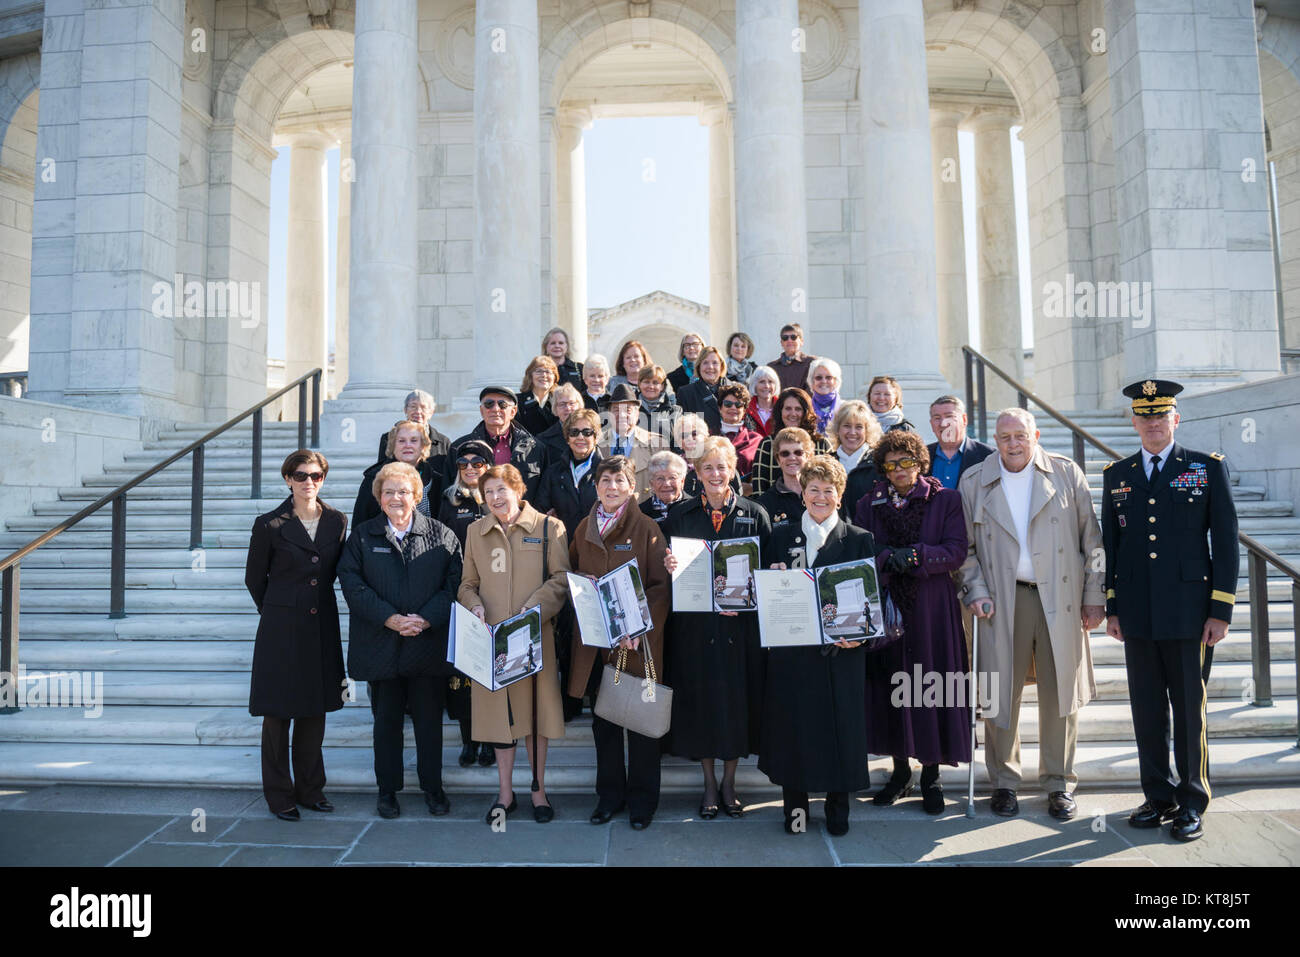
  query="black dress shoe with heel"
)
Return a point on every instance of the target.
[
  {"x": 898, "y": 786},
  {"x": 508, "y": 809},
  {"x": 437, "y": 802},
  {"x": 1153, "y": 814},
  {"x": 321, "y": 807},
  {"x": 837, "y": 814},
  {"x": 290, "y": 815}
]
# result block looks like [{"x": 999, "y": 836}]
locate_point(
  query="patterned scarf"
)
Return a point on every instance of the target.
[
  {"x": 605, "y": 520},
  {"x": 824, "y": 408},
  {"x": 718, "y": 516}
]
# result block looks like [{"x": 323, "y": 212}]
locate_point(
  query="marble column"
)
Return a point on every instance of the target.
[
  {"x": 507, "y": 191},
  {"x": 998, "y": 252},
  {"x": 722, "y": 225},
  {"x": 901, "y": 314},
  {"x": 343, "y": 260},
  {"x": 571, "y": 227},
  {"x": 382, "y": 290},
  {"x": 771, "y": 214},
  {"x": 306, "y": 344},
  {"x": 949, "y": 242}
]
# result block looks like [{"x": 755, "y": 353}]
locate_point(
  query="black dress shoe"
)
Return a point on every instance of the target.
[
  {"x": 323, "y": 806},
  {"x": 492, "y": 811},
  {"x": 641, "y": 823},
  {"x": 932, "y": 798},
  {"x": 708, "y": 811},
  {"x": 734, "y": 808},
  {"x": 387, "y": 806},
  {"x": 896, "y": 787},
  {"x": 468, "y": 754},
  {"x": 1153, "y": 814},
  {"x": 1187, "y": 826},
  {"x": 1004, "y": 803},
  {"x": 487, "y": 755},
  {"x": 543, "y": 813},
  {"x": 289, "y": 815},
  {"x": 603, "y": 814},
  {"x": 438, "y": 802},
  {"x": 1061, "y": 805},
  {"x": 837, "y": 815}
]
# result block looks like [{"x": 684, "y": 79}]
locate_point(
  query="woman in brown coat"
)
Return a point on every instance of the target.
[
  {"x": 614, "y": 533},
  {"x": 503, "y": 575}
]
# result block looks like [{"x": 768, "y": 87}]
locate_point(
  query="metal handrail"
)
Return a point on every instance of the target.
[
  {"x": 1259, "y": 555},
  {"x": 9, "y": 565}
]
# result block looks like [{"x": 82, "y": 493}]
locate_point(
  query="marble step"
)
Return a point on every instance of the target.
[{"x": 569, "y": 770}]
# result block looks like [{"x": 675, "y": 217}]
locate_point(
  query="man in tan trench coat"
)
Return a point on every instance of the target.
[{"x": 1034, "y": 570}]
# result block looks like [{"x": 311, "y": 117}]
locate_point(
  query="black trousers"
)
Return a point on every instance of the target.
[
  {"x": 637, "y": 782},
  {"x": 307, "y": 783},
  {"x": 390, "y": 699},
  {"x": 1164, "y": 675}
]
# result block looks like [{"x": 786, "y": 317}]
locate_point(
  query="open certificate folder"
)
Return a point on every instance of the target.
[
  {"x": 612, "y": 607},
  {"x": 714, "y": 576},
  {"x": 819, "y": 606},
  {"x": 495, "y": 655}
]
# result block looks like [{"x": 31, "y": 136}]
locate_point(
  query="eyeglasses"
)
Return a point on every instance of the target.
[
  {"x": 470, "y": 462},
  {"x": 732, "y": 404},
  {"x": 585, "y": 433},
  {"x": 496, "y": 403},
  {"x": 316, "y": 477},
  {"x": 789, "y": 336},
  {"x": 792, "y": 453},
  {"x": 900, "y": 464}
]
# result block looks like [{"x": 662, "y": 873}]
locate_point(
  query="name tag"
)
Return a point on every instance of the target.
[
  {"x": 745, "y": 520},
  {"x": 384, "y": 549},
  {"x": 532, "y": 541},
  {"x": 625, "y": 547}
]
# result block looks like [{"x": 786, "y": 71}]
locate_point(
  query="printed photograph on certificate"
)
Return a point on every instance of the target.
[
  {"x": 626, "y": 607},
  {"x": 849, "y": 599},
  {"x": 734, "y": 561},
  {"x": 518, "y": 647}
]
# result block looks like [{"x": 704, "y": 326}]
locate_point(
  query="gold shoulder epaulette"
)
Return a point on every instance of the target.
[
  {"x": 1107, "y": 465},
  {"x": 1217, "y": 456}
]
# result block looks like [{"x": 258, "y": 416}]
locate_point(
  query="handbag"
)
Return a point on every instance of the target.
[
  {"x": 645, "y": 706},
  {"x": 893, "y": 619}
]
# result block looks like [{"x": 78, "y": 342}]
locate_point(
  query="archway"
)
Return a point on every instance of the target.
[{"x": 19, "y": 99}]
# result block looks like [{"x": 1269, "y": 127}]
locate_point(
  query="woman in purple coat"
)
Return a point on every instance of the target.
[{"x": 919, "y": 525}]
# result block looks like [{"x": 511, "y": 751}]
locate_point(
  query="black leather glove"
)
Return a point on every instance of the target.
[{"x": 902, "y": 560}]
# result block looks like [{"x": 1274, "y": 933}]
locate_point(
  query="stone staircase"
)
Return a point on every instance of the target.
[{"x": 175, "y": 671}]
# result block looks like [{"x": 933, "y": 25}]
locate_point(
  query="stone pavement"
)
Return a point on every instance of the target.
[{"x": 68, "y": 825}]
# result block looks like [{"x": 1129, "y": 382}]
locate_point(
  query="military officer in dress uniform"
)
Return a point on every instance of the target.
[{"x": 1169, "y": 597}]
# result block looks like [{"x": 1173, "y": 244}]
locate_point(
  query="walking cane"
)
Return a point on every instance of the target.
[{"x": 974, "y": 707}]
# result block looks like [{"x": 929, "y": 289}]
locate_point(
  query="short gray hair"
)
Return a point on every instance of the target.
[
  {"x": 822, "y": 362},
  {"x": 422, "y": 397},
  {"x": 761, "y": 373},
  {"x": 566, "y": 391},
  {"x": 1023, "y": 416},
  {"x": 667, "y": 461},
  {"x": 596, "y": 360},
  {"x": 949, "y": 400}
]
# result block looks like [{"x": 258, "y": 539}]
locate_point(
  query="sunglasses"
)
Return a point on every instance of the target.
[
  {"x": 496, "y": 403},
  {"x": 470, "y": 462},
  {"x": 316, "y": 477},
  {"x": 792, "y": 453},
  {"x": 585, "y": 433},
  {"x": 900, "y": 464},
  {"x": 732, "y": 404},
  {"x": 789, "y": 336}
]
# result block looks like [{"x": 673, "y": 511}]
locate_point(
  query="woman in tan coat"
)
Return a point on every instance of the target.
[
  {"x": 503, "y": 575},
  {"x": 614, "y": 533}
]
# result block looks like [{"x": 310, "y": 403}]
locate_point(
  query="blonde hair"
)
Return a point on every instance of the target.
[
  {"x": 426, "y": 443},
  {"x": 402, "y": 471},
  {"x": 859, "y": 411},
  {"x": 718, "y": 445}
]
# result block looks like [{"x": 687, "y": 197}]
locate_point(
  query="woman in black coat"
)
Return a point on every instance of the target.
[
  {"x": 298, "y": 653},
  {"x": 715, "y": 661},
  {"x": 688, "y": 352},
  {"x": 814, "y": 731},
  {"x": 783, "y": 500},
  {"x": 701, "y": 396},
  {"x": 556, "y": 345},
  {"x": 458, "y": 508},
  {"x": 399, "y": 573},
  {"x": 561, "y": 494},
  {"x": 407, "y": 442}
]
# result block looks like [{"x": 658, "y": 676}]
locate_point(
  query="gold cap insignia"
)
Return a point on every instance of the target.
[{"x": 1148, "y": 388}]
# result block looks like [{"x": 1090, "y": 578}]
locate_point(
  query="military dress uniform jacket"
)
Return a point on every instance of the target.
[{"x": 1162, "y": 579}]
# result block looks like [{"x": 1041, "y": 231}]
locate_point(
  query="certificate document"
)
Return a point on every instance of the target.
[
  {"x": 612, "y": 607},
  {"x": 819, "y": 606},
  {"x": 715, "y": 576},
  {"x": 495, "y": 655}
]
